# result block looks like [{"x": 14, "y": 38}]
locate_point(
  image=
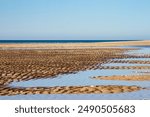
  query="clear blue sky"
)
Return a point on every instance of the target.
[{"x": 74, "y": 19}]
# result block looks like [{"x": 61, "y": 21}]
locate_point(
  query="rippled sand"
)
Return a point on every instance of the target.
[
  {"x": 69, "y": 90},
  {"x": 22, "y": 62},
  {"x": 131, "y": 77}
]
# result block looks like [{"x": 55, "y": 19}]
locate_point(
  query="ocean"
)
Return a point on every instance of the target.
[{"x": 59, "y": 41}]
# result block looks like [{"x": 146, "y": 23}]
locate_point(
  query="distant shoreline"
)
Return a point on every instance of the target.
[
  {"x": 75, "y": 45},
  {"x": 59, "y": 41}
]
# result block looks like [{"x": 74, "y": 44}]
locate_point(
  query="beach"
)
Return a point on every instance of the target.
[
  {"x": 37, "y": 61},
  {"x": 75, "y": 45}
]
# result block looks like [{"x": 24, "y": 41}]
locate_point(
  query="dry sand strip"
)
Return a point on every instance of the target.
[
  {"x": 130, "y": 77},
  {"x": 76, "y": 45},
  {"x": 139, "y": 56},
  {"x": 144, "y": 72},
  {"x": 130, "y": 61},
  {"x": 124, "y": 67},
  {"x": 69, "y": 90}
]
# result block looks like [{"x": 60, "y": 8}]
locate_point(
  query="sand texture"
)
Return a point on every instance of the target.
[
  {"x": 130, "y": 77},
  {"x": 130, "y": 61},
  {"x": 69, "y": 90},
  {"x": 22, "y": 62},
  {"x": 125, "y": 67},
  {"x": 18, "y": 65}
]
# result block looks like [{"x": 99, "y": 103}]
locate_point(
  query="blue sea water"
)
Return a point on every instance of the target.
[{"x": 59, "y": 41}]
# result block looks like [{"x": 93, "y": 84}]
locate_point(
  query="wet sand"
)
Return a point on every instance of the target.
[
  {"x": 131, "y": 77},
  {"x": 18, "y": 65},
  {"x": 125, "y": 67},
  {"x": 22, "y": 62},
  {"x": 131, "y": 61},
  {"x": 68, "y": 90}
]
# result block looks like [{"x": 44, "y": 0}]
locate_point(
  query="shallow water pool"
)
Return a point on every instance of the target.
[{"x": 82, "y": 78}]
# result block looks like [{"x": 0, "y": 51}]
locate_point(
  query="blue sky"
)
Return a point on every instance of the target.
[{"x": 74, "y": 19}]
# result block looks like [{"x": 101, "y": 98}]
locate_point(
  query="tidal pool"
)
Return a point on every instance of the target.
[{"x": 82, "y": 78}]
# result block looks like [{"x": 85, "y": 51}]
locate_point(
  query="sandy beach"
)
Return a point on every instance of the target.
[
  {"x": 24, "y": 62},
  {"x": 130, "y": 78},
  {"x": 68, "y": 90},
  {"x": 75, "y": 45}
]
